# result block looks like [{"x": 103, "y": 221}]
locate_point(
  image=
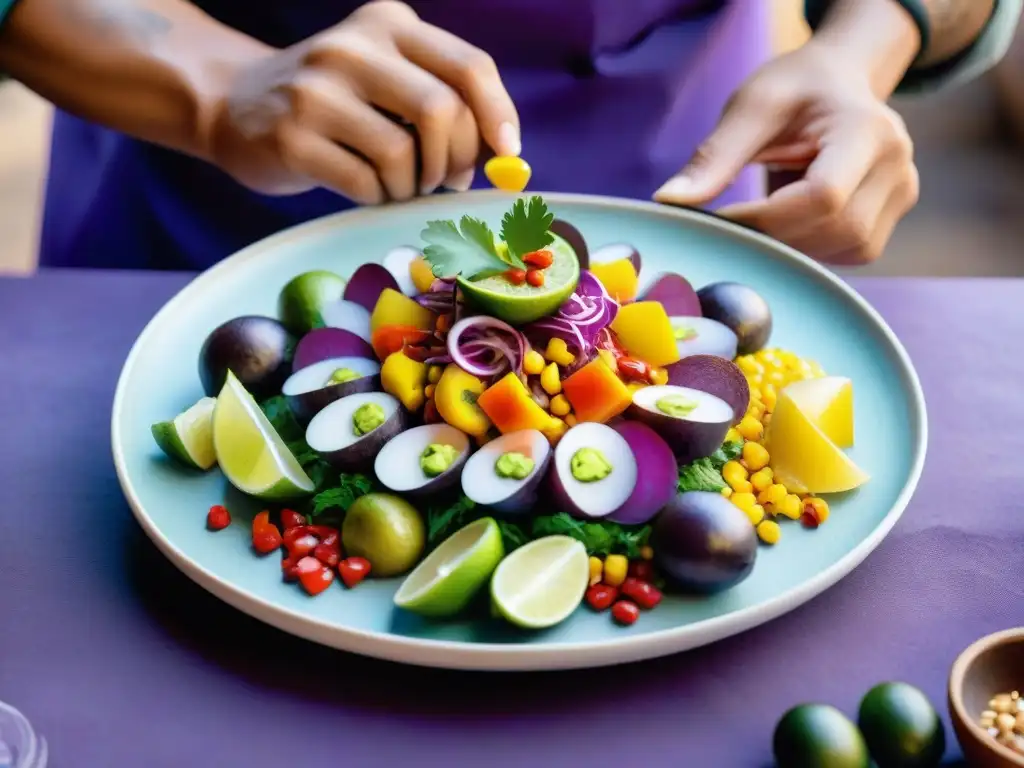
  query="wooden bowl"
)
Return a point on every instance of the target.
[{"x": 994, "y": 664}]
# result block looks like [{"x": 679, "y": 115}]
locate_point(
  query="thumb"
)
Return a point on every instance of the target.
[{"x": 742, "y": 132}]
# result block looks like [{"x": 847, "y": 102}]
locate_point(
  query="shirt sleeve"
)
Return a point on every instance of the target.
[
  {"x": 986, "y": 51},
  {"x": 5, "y": 9}
]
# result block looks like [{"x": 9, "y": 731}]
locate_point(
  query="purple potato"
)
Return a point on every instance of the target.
[
  {"x": 323, "y": 343},
  {"x": 310, "y": 389},
  {"x": 349, "y": 316},
  {"x": 506, "y": 495},
  {"x": 398, "y": 262},
  {"x": 331, "y": 432},
  {"x": 703, "y": 542},
  {"x": 740, "y": 308},
  {"x": 703, "y": 336},
  {"x": 397, "y": 466},
  {"x": 599, "y": 498},
  {"x": 693, "y": 434},
  {"x": 616, "y": 252},
  {"x": 721, "y": 378},
  {"x": 657, "y": 474},
  {"x": 254, "y": 348},
  {"x": 367, "y": 283},
  {"x": 571, "y": 235},
  {"x": 675, "y": 294}
]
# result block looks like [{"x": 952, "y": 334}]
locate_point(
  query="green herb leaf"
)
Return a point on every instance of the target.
[
  {"x": 706, "y": 474},
  {"x": 470, "y": 253},
  {"x": 448, "y": 516},
  {"x": 341, "y": 496},
  {"x": 512, "y": 536},
  {"x": 525, "y": 228},
  {"x": 599, "y": 537},
  {"x": 282, "y": 419},
  {"x": 727, "y": 452}
]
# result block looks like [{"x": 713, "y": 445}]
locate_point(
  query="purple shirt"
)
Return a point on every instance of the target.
[{"x": 613, "y": 96}]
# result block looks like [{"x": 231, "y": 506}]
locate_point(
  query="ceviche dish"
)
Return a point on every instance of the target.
[{"x": 508, "y": 418}]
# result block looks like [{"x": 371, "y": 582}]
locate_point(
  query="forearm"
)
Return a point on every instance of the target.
[{"x": 150, "y": 68}]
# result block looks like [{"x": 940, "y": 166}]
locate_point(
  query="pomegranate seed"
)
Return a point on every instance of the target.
[
  {"x": 302, "y": 546},
  {"x": 353, "y": 570},
  {"x": 535, "y": 278},
  {"x": 315, "y": 582},
  {"x": 809, "y": 519},
  {"x": 642, "y": 570},
  {"x": 218, "y": 518},
  {"x": 601, "y": 596},
  {"x": 289, "y": 569},
  {"x": 262, "y": 520},
  {"x": 291, "y": 519},
  {"x": 292, "y": 534},
  {"x": 267, "y": 539},
  {"x": 322, "y": 531},
  {"x": 646, "y": 595},
  {"x": 332, "y": 539},
  {"x": 327, "y": 554},
  {"x": 625, "y": 612},
  {"x": 308, "y": 564}
]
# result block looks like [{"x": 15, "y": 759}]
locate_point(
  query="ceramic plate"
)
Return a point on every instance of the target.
[{"x": 815, "y": 315}]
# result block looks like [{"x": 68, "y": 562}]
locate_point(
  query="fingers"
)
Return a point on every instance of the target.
[
  {"x": 311, "y": 155},
  {"x": 473, "y": 74}
]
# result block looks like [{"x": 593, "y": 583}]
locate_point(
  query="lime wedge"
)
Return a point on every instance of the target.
[
  {"x": 451, "y": 575},
  {"x": 189, "y": 437},
  {"x": 541, "y": 583},
  {"x": 251, "y": 454},
  {"x": 525, "y": 303}
]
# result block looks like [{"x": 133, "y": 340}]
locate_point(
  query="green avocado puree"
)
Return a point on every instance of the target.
[
  {"x": 676, "y": 406},
  {"x": 367, "y": 418},
  {"x": 437, "y": 458},
  {"x": 588, "y": 465},
  {"x": 342, "y": 375},
  {"x": 513, "y": 465}
]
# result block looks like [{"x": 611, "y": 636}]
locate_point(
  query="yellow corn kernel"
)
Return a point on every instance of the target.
[
  {"x": 749, "y": 365},
  {"x": 508, "y": 172},
  {"x": 750, "y": 428},
  {"x": 570, "y": 420},
  {"x": 429, "y": 391},
  {"x": 558, "y": 352},
  {"x": 762, "y": 478},
  {"x": 816, "y": 507},
  {"x": 550, "y": 381},
  {"x": 615, "y": 568},
  {"x": 608, "y": 357},
  {"x": 659, "y": 377},
  {"x": 790, "y": 506},
  {"x": 773, "y": 494},
  {"x": 635, "y": 386},
  {"x": 769, "y": 531},
  {"x": 755, "y": 455},
  {"x": 755, "y": 408},
  {"x": 555, "y": 429},
  {"x": 596, "y": 570},
  {"x": 434, "y": 373},
  {"x": 755, "y": 514},
  {"x": 769, "y": 396},
  {"x": 744, "y": 501},
  {"x": 727, "y": 491},
  {"x": 766, "y": 357},
  {"x": 776, "y": 379},
  {"x": 732, "y": 436},
  {"x": 733, "y": 472},
  {"x": 559, "y": 405},
  {"x": 533, "y": 363},
  {"x": 646, "y": 553}
]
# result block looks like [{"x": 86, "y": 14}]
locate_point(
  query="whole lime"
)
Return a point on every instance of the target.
[
  {"x": 302, "y": 299},
  {"x": 386, "y": 530},
  {"x": 901, "y": 727},
  {"x": 818, "y": 736}
]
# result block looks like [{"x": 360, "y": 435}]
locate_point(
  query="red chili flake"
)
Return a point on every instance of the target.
[
  {"x": 626, "y": 613},
  {"x": 643, "y": 570},
  {"x": 633, "y": 369},
  {"x": 645, "y": 595},
  {"x": 353, "y": 570},
  {"x": 315, "y": 582},
  {"x": 600, "y": 596},
  {"x": 809, "y": 518},
  {"x": 291, "y": 519},
  {"x": 218, "y": 518},
  {"x": 535, "y": 278},
  {"x": 515, "y": 276},
  {"x": 541, "y": 259}
]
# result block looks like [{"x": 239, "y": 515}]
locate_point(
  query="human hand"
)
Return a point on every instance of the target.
[
  {"x": 312, "y": 115},
  {"x": 814, "y": 110}
]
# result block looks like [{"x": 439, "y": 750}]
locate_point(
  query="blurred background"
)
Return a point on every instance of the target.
[{"x": 969, "y": 144}]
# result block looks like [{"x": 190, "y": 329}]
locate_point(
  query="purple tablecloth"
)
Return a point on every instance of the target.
[{"x": 122, "y": 662}]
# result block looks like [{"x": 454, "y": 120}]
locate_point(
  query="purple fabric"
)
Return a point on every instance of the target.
[
  {"x": 613, "y": 96},
  {"x": 121, "y": 662}
]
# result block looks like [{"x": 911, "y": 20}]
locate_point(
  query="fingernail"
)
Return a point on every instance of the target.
[
  {"x": 509, "y": 142},
  {"x": 460, "y": 182},
  {"x": 676, "y": 187}
]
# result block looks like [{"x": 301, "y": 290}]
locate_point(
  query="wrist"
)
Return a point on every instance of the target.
[{"x": 877, "y": 37}]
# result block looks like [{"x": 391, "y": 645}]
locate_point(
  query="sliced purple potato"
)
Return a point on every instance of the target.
[
  {"x": 316, "y": 386},
  {"x": 675, "y": 294},
  {"x": 703, "y": 336},
  {"x": 405, "y": 464},
  {"x": 323, "y": 343},
  {"x": 398, "y": 261},
  {"x": 703, "y": 543},
  {"x": 573, "y": 237},
  {"x": 348, "y": 316},
  {"x": 657, "y": 474},
  {"x": 332, "y": 432},
  {"x": 367, "y": 283},
  {"x": 692, "y": 422},
  {"x": 742, "y": 309},
  {"x": 594, "y": 472},
  {"x": 616, "y": 252},
  {"x": 493, "y": 485},
  {"x": 721, "y": 378},
  {"x": 254, "y": 348}
]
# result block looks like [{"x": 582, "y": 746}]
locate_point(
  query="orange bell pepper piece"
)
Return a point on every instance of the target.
[
  {"x": 510, "y": 407},
  {"x": 596, "y": 392}
]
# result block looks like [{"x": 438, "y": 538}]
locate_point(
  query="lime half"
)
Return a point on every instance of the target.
[
  {"x": 518, "y": 304},
  {"x": 449, "y": 577},
  {"x": 189, "y": 437},
  {"x": 541, "y": 583},
  {"x": 251, "y": 454}
]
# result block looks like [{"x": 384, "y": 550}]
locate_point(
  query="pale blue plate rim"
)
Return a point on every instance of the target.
[{"x": 504, "y": 657}]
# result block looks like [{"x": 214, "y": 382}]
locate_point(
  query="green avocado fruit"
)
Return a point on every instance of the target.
[
  {"x": 303, "y": 298},
  {"x": 901, "y": 727},
  {"x": 818, "y": 736}
]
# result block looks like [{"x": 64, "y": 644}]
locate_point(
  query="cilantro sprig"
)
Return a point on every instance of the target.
[{"x": 470, "y": 249}]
